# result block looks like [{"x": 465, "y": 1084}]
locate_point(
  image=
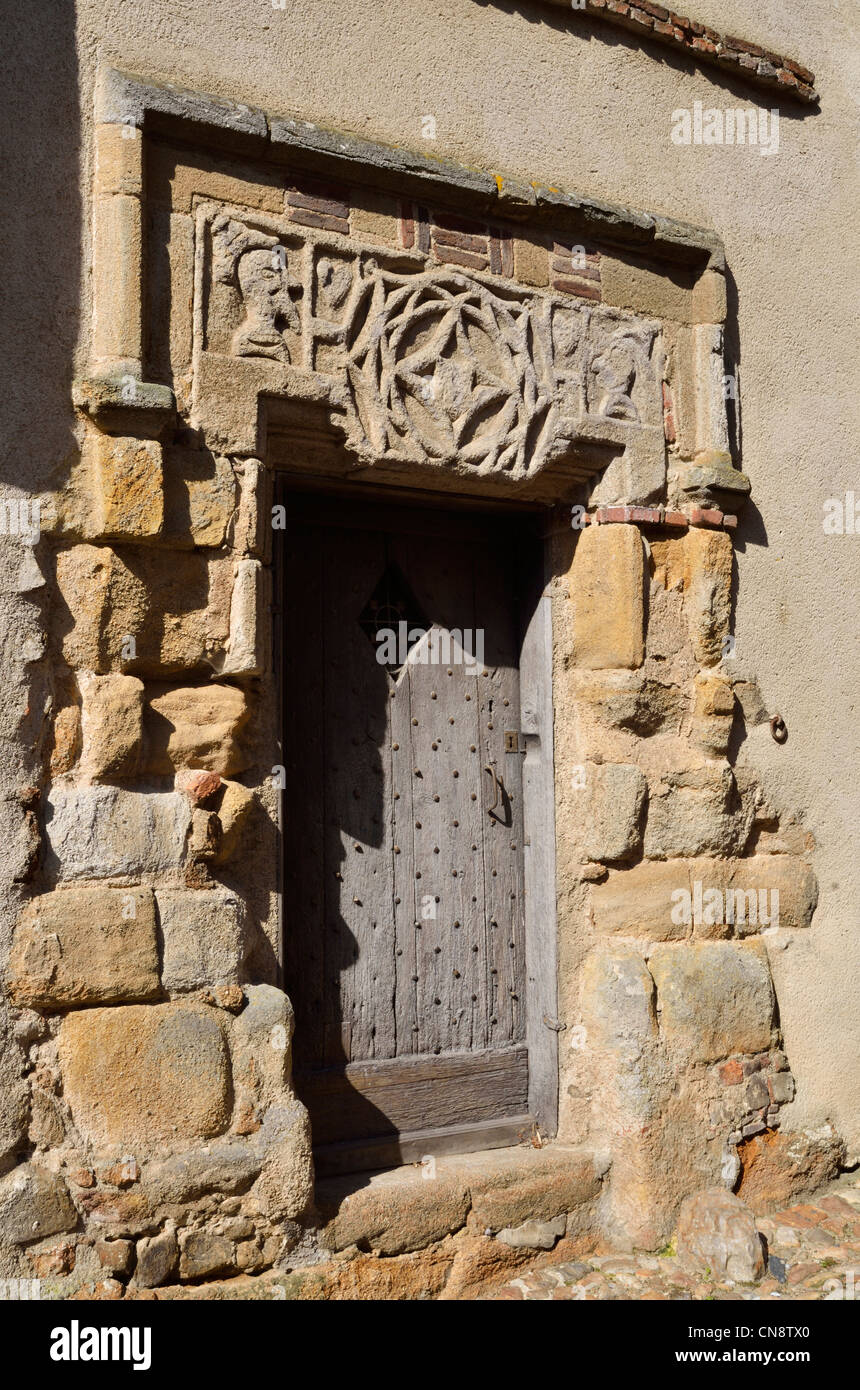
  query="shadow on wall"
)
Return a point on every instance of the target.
[{"x": 41, "y": 240}]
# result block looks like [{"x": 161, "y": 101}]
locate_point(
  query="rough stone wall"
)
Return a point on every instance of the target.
[
  {"x": 679, "y": 878},
  {"x": 556, "y": 100},
  {"x": 165, "y": 780}
]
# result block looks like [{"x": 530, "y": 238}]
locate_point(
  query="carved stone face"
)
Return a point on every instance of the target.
[
  {"x": 262, "y": 282},
  {"x": 268, "y": 308}
]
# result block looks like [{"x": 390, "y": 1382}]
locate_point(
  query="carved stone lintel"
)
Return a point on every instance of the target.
[{"x": 417, "y": 366}]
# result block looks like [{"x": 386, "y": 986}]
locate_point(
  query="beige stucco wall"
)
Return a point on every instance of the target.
[{"x": 546, "y": 96}]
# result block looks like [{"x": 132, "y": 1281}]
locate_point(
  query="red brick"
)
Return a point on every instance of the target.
[
  {"x": 675, "y": 519},
  {"x": 638, "y": 17},
  {"x": 705, "y": 516},
  {"x": 656, "y": 10},
  {"x": 731, "y": 1073},
  {"x": 561, "y": 249},
  {"x": 451, "y": 256},
  {"x": 306, "y": 218},
  {"x": 463, "y": 240},
  {"x": 731, "y": 42},
  {"x": 573, "y": 287},
  {"x": 586, "y": 272},
  {"x": 407, "y": 232},
  {"x": 650, "y": 515},
  {"x": 799, "y": 70},
  {"x": 317, "y": 202},
  {"x": 704, "y": 45},
  {"x": 787, "y": 78},
  {"x": 730, "y": 522}
]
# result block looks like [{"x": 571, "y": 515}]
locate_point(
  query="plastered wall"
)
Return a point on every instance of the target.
[{"x": 537, "y": 94}]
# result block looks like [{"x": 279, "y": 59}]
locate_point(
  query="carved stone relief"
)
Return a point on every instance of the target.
[{"x": 420, "y": 365}]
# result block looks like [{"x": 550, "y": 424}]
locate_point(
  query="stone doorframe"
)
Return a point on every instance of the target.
[{"x": 271, "y": 296}]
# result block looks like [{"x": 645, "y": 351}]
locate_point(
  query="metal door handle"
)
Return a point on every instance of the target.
[
  {"x": 492, "y": 772},
  {"x": 498, "y": 787}
]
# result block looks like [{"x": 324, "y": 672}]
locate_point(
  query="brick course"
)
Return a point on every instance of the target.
[{"x": 704, "y": 44}]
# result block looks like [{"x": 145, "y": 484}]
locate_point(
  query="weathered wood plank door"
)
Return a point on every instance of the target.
[{"x": 404, "y": 913}]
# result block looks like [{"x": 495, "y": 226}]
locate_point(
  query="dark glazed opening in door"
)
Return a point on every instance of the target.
[{"x": 404, "y": 896}]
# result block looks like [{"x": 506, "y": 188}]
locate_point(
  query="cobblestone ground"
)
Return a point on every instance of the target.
[{"x": 813, "y": 1253}]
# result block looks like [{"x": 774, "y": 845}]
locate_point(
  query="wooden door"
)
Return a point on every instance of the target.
[{"x": 404, "y": 913}]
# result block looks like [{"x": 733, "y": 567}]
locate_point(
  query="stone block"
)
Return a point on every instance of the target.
[
  {"x": 180, "y": 294},
  {"x": 626, "y": 700},
  {"x": 119, "y": 160},
  {"x": 757, "y": 1094},
  {"x": 285, "y": 1186},
  {"x": 537, "y": 1191},
  {"x": 146, "y": 1074},
  {"x": 533, "y": 1235},
  {"x": 246, "y": 647},
  {"x": 203, "y": 1254},
  {"x": 225, "y": 1166},
  {"x": 781, "y": 1086},
  {"x": 715, "y": 997},
  {"x": 137, "y": 614},
  {"x": 717, "y": 1233},
  {"x": 34, "y": 1203},
  {"x": 788, "y": 884},
  {"x": 780, "y": 1167},
  {"x": 618, "y": 1000},
  {"x": 14, "y": 1091},
  {"x": 129, "y": 483},
  {"x": 391, "y": 1215},
  {"x": 66, "y": 739},
  {"x": 233, "y": 812},
  {"x": 111, "y": 725},
  {"x": 107, "y": 832},
  {"x": 638, "y": 901},
  {"x": 374, "y": 216},
  {"x": 85, "y": 946},
  {"x": 709, "y": 297},
  {"x": 117, "y": 281},
  {"x": 713, "y": 713},
  {"x": 205, "y": 936},
  {"x": 708, "y": 559},
  {"x": 607, "y": 585},
  {"x": 196, "y": 727},
  {"x": 636, "y": 286},
  {"x": 698, "y": 812},
  {"x": 47, "y": 1129},
  {"x": 174, "y": 182},
  {"x": 156, "y": 1260},
  {"x": 261, "y": 1044},
  {"x": 116, "y": 1256},
  {"x": 199, "y": 497},
  {"x": 531, "y": 260},
  {"x": 613, "y": 805}
]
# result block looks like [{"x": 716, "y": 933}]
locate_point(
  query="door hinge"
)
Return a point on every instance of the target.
[{"x": 554, "y": 1023}]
